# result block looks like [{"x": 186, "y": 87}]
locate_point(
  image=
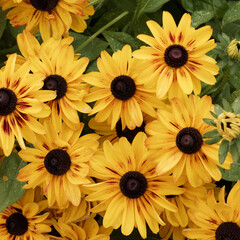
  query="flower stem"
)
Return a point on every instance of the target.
[{"x": 101, "y": 30}]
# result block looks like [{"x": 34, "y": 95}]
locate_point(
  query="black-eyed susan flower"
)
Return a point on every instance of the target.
[
  {"x": 24, "y": 219},
  {"x": 216, "y": 220},
  {"x": 233, "y": 49},
  {"x": 88, "y": 229},
  {"x": 21, "y": 100},
  {"x": 55, "y": 62},
  {"x": 120, "y": 91},
  {"x": 176, "y": 140},
  {"x": 59, "y": 164},
  {"x": 113, "y": 135},
  {"x": 130, "y": 192},
  {"x": 53, "y": 18},
  {"x": 176, "y": 56}
]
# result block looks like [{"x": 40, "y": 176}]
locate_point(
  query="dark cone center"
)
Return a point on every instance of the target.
[
  {"x": 175, "y": 56},
  {"x": 17, "y": 224},
  {"x": 123, "y": 87},
  {"x": 133, "y": 184},
  {"x": 56, "y": 83},
  {"x": 129, "y": 134},
  {"x": 189, "y": 140},
  {"x": 44, "y": 5},
  {"x": 8, "y": 101},
  {"x": 228, "y": 231},
  {"x": 57, "y": 162}
]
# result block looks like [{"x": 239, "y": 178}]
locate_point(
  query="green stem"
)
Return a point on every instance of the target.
[
  {"x": 101, "y": 30},
  {"x": 222, "y": 83},
  {"x": 9, "y": 50}
]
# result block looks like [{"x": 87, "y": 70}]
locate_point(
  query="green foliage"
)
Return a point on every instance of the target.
[
  {"x": 232, "y": 14},
  {"x": 233, "y": 174},
  {"x": 10, "y": 188},
  {"x": 3, "y": 22},
  {"x": 223, "y": 150},
  {"x": 200, "y": 17}
]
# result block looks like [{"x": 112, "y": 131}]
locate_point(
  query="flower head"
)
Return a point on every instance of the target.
[
  {"x": 129, "y": 191},
  {"x": 177, "y": 56},
  {"x": 233, "y": 49},
  {"x": 59, "y": 164},
  {"x": 53, "y": 18},
  {"x": 120, "y": 91},
  {"x": 177, "y": 143}
]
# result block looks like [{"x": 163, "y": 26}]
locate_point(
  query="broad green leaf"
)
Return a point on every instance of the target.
[
  {"x": 209, "y": 121},
  {"x": 152, "y": 5},
  {"x": 93, "y": 49},
  {"x": 234, "y": 150},
  {"x": 10, "y": 188},
  {"x": 234, "y": 96},
  {"x": 235, "y": 80},
  {"x": 211, "y": 134},
  {"x": 118, "y": 39},
  {"x": 226, "y": 105},
  {"x": 200, "y": 17},
  {"x": 236, "y": 105},
  {"x": 223, "y": 150},
  {"x": 3, "y": 22},
  {"x": 233, "y": 174},
  {"x": 232, "y": 14},
  {"x": 213, "y": 140}
]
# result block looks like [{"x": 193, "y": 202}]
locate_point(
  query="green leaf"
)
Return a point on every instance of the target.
[
  {"x": 236, "y": 105},
  {"x": 213, "y": 140},
  {"x": 213, "y": 114},
  {"x": 3, "y": 22},
  {"x": 218, "y": 109},
  {"x": 223, "y": 150},
  {"x": 93, "y": 2},
  {"x": 118, "y": 39},
  {"x": 200, "y": 17},
  {"x": 10, "y": 188},
  {"x": 226, "y": 105},
  {"x": 153, "y": 5},
  {"x": 233, "y": 174},
  {"x": 92, "y": 49},
  {"x": 232, "y": 14},
  {"x": 211, "y": 134},
  {"x": 234, "y": 150},
  {"x": 210, "y": 122},
  {"x": 234, "y": 95},
  {"x": 235, "y": 80}
]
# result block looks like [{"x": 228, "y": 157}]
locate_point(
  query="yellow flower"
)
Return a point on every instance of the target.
[
  {"x": 54, "y": 61},
  {"x": 177, "y": 57},
  {"x": 120, "y": 90},
  {"x": 228, "y": 125},
  {"x": 59, "y": 164},
  {"x": 216, "y": 220},
  {"x": 130, "y": 192},
  {"x": 21, "y": 102},
  {"x": 23, "y": 220},
  {"x": 53, "y": 18},
  {"x": 233, "y": 49},
  {"x": 176, "y": 141}
]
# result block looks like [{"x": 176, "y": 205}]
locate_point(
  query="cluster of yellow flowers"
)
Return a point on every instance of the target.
[{"x": 147, "y": 161}]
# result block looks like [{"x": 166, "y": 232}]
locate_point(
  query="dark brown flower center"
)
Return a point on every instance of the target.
[
  {"x": 133, "y": 184},
  {"x": 16, "y": 224},
  {"x": 129, "y": 134},
  {"x": 189, "y": 140},
  {"x": 123, "y": 87},
  {"x": 44, "y": 5},
  {"x": 56, "y": 83},
  {"x": 175, "y": 56},
  {"x": 57, "y": 162},
  {"x": 228, "y": 231},
  {"x": 8, "y": 101}
]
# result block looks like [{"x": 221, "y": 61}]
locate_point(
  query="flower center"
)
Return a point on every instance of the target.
[
  {"x": 56, "y": 83},
  {"x": 228, "y": 231},
  {"x": 57, "y": 162},
  {"x": 17, "y": 224},
  {"x": 133, "y": 184},
  {"x": 175, "y": 56},
  {"x": 129, "y": 134},
  {"x": 123, "y": 87},
  {"x": 8, "y": 101},
  {"x": 189, "y": 140},
  {"x": 44, "y": 5}
]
